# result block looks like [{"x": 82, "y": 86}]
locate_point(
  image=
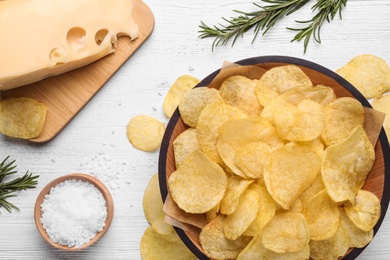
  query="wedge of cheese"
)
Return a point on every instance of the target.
[{"x": 42, "y": 38}]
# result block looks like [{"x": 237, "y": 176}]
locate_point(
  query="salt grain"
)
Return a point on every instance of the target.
[{"x": 73, "y": 212}]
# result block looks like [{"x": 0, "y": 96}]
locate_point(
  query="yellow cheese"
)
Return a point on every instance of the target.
[{"x": 42, "y": 38}]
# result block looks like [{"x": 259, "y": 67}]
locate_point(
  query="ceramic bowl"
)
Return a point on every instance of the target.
[
  {"x": 76, "y": 176},
  {"x": 376, "y": 181}
]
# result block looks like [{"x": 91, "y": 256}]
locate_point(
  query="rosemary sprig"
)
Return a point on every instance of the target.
[
  {"x": 8, "y": 189},
  {"x": 327, "y": 10},
  {"x": 268, "y": 15}
]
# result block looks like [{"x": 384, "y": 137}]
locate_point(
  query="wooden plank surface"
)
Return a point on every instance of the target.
[{"x": 66, "y": 94}]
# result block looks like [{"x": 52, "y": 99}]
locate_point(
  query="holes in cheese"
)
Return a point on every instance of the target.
[{"x": 61, "y": 35}]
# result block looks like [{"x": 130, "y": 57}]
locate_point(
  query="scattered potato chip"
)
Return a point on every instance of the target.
[
  {"x": 239, "y": 91},
  {"x": 345, "y": 166},
  {"x": 235, "y": 187},
  {"x": 279, "y": 79},
  {"x": 198, "y": 184},
  {"x": 155, "y": 246},
  {"x": 291, "y": 170},
  {"x": 216, "y": 245},
  {"x": 331, "y": 248},
  {"x": 193, "y": 102},
  {"x": 341, "y": 117},
  {"x": 383, "y": 104},
  {"x": 22, "y": 117},
  {"x": 303, "y": 122},
  {"x": 238, "y": 221},
  {"x": 358, "y": 237},
  {"x": 185, "y": 144},
  {"x": 322, "y": 215},
  {"x": 251, "y": 158},
  {"x": 181, "y": 86},
  {"x": 368, "y": 73},
  {"x": 366, "y": 211},
  {"x": 145, "y": 132},
  {"x": 286, "y": 232}
]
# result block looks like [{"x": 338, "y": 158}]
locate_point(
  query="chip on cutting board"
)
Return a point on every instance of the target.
[
  {"x": 383, "y": 104},
  {"x": 22, "y": 117},
  {"x": 368, "y": 73},
  {"x": 145, "y": 132}
]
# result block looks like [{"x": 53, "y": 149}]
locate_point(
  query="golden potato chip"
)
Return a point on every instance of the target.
[
  {"x": 317, "y": 145},
  {"x": 321, "y": 94},
  {"x": 185, "y": 144},
  {"x": 322, "y": 215},
  {"x": 366, "y": 211},
  {"x": 341, "y": 117},
  {"x": 383, "y": 104},
  {"x": 368, "y": 73},
  {"x": 155, "y": 246},
  {"x": 216, "y": 245},
  {"x": 198, "y": 184},
  {"x": 358, "y": 237},
  {"x": 252, "y": 157},
  {"x": 238, "y": 221},
  {"x": 239, "y": 91},
  {"x": 331, "y": 248},
  {"x": 22, "y": 117},
  {"x": 193, "y": 102},
  {"x": 235, "y": 187},
  {"x": 279, "y": 79},
  {"x": 145, "y": 132},
  {"x": 181, "y": 86},
  {"x": 286, "y": 232},
  {"x": 316, "y": 186},
  {"x": 153, "y": 209},
  {"x": 291, "y": 170},
  {"x": 213, "y": 213},
  {"x": 303, "y": 122},
  {"x": 210, "y": 120},
  {"x": 345, "y": 166},
  {"x": 251, "y": 129}
]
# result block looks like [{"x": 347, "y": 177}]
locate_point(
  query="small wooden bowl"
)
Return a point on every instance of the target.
[
  {"x": 378, "y": 181},
  {"x": 76, "y": 176}
]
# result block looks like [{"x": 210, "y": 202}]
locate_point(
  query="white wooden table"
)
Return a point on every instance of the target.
[{"x": 95, "y": 141}]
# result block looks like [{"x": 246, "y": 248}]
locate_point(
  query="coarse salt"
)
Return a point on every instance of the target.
[{"x": 73, "y": 212}]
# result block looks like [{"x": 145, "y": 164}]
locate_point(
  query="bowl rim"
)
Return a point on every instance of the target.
[
  {"x": 74, "y": 176},
  {"x": 277, "y": 59}
]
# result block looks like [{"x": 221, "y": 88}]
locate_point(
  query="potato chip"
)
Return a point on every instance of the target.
[
  {"x": 210, "y": 120},
  {"x": 368, "y": 73},
  {"x": 235, "y": 187},
  {"x": 238, "y": 221},
  {"x": 291, "y": 170},
  {"x": 182, "y": 85},
  {"x": 239, "y": 91},
  {"x": 251, "y": 129},
  {"x": 216, "y": 245},
  {"x": 251, "y": 158},
  {"x": 383, "y": 104},
  {"x": 322, "y": 215},
  {"x": 213, "y": 213},
  {"x": 198, "y": 184},
  {"x": 316, "y": 145},
  {"x": 316, "y": 186},
  {"x": 303, "y": 122},
  {"x": 366, "y": 211},
  {"x": 321, "y": 94},
  {"x": 185, "y": 144},
  {"x": 193, "y": 102},
  {"x": 155, "y": 246},
  {"x": 358, "y": 237},
  {"x": 22, "y": 117},
  {"x": 331, "y": 248},
  {"x": 346, "y": 165},
  {"x": 286, "y": 232},
  {"x": 341, "y": 117},
  {"x": 279, "y": 79},
  {"x": 145, "y": 132}
]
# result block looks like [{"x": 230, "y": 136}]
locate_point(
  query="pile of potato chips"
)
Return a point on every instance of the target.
[{"x": 277, "y": 166}]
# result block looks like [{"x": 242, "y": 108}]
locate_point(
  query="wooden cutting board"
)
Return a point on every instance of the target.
[{"x": 66, "y": 94}]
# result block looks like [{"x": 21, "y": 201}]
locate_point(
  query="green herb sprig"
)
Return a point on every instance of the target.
[
  {"x": 268, "y": 15},
  {"x": 9, "y": 188}
]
